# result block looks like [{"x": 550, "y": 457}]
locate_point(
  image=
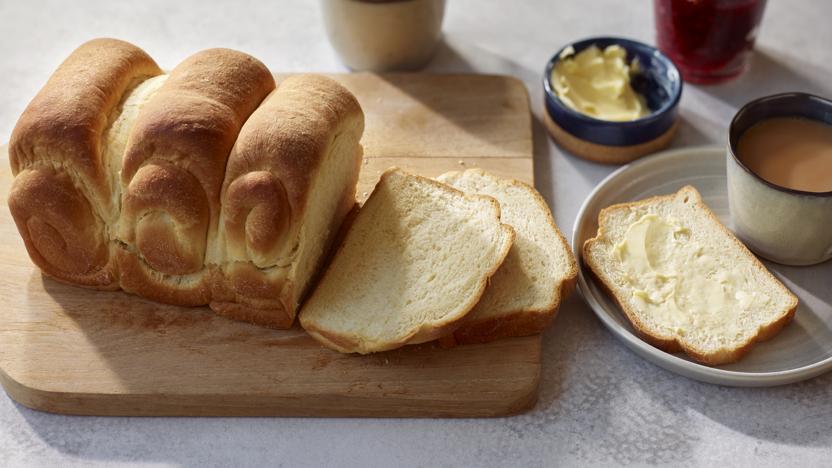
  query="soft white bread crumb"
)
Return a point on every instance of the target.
[
  {"x": 723, "y": 298},
  {"x": 414, "y": 262}
]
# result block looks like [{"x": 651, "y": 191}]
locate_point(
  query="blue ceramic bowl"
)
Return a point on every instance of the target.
[{"x": 659, "y": 82}]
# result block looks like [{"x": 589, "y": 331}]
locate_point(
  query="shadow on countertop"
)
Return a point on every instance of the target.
[
  {"x": 615, "y": 393},
  {"x": 766, "y": 75},
  {"x": 628, "y": 410},
  {"x": 453, "y": 57}
]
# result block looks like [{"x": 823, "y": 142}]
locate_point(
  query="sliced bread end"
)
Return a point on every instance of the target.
[{"x": 524, "y": 295}]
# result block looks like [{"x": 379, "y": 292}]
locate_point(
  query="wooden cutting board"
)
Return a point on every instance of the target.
[{"x": 69, "y": 350}]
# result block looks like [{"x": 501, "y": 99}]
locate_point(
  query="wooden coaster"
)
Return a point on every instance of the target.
[{"x": 606, "y": 154}]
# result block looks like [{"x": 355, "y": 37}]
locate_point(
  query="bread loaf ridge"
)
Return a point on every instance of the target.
[
  {"x": 63, "y": 196},
  {"x": 122, "y": 172},
  {"x": 290, "y": 182},
  {"x": 173, "y": 170}
]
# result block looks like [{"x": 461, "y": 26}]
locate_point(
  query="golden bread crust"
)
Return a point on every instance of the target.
[
  {"x": 61, "y": 233},
  {"x": 174, "y": 166},
  {"x": 517, "y": 323},
  {"x": 244, "y": 292},
  {"x": 64, "y": 122},
  {"x": 522, "y": 322},
  {"x": 271, "y": 173},
  {"x": 121, "y": 180},
  {"x": 63, "y": 194},
  {"x": 138, "y": 278},
  {"x": 278, "y": 154}
]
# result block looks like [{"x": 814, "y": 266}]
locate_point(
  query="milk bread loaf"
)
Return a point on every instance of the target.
[{"x": 123, "y": 173}]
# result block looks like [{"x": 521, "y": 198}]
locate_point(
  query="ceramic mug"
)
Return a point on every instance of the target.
[
  {"x": 384, "y": 35},
  {"x": 788, "y": 226}
]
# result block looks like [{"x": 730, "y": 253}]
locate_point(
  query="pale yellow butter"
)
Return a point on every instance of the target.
[
  {"x": 679, "y": 284},
  {"x": 597, "y": 83}
]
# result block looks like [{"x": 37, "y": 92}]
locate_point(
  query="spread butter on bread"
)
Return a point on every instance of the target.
[{"x": 684, "y": 281}]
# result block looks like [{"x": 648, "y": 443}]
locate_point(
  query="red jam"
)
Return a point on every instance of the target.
[{"x": 709, "y": 40}]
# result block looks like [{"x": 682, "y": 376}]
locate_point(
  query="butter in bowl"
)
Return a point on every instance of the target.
[{"x": 611, "y": 100}]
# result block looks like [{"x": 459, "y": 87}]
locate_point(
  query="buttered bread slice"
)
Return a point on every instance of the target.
[
  {"x": 684, "y": 281},
  {"x": 415, "y": 261}
]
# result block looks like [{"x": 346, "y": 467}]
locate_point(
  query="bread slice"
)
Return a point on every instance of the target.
[
  {"x": 415, "y": 261},
  {"x": 684, "y": 281},
  {"x": 523, "y": 296}
]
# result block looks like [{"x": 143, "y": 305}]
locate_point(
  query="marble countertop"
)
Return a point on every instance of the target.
[{"x": 600, "y": 404}]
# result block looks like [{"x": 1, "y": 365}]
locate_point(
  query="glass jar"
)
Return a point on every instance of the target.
[{"x": 709, "y": 40}]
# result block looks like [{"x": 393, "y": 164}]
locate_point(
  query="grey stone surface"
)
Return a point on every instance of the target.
[{"x": 599, "y": 405}]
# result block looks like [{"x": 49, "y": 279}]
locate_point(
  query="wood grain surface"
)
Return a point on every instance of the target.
[{"x": 69, "y": 350}]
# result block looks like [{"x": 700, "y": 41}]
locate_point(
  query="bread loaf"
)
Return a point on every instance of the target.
[
  {"x": 122, "y": 173},
  {"x": 684, "y": 281},
  {"x": 415, "y": 261}
]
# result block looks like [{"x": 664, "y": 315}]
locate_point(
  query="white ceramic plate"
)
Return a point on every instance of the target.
[{"x": 801, "y": 351}]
